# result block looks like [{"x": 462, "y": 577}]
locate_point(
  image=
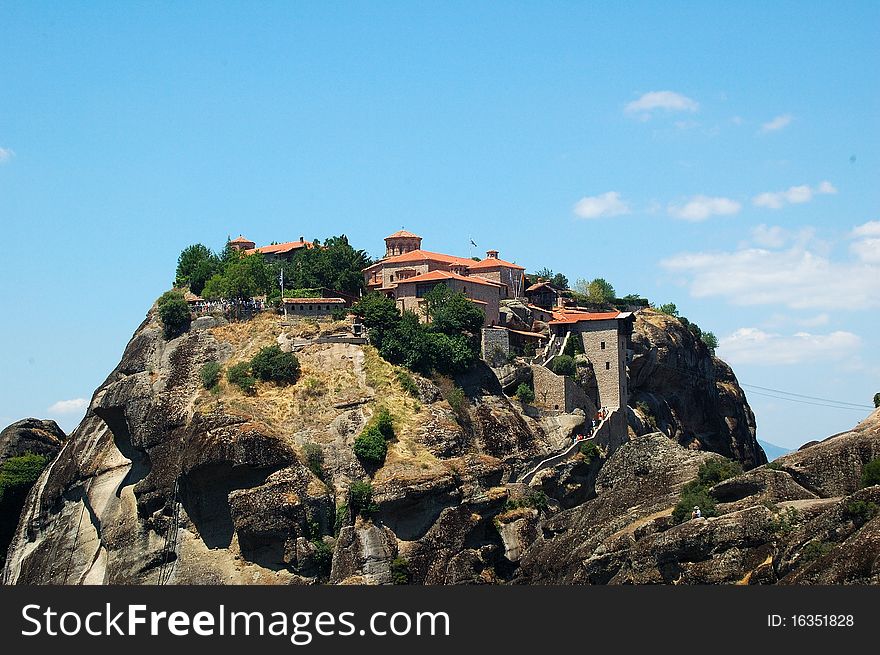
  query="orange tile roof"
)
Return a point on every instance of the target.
[
  {"x": 537, "y": 335},
  {"x": 422, "y": 256},
  {"x": 281, "y": 247},
  {"x": 538, "y": 285},
  {"x": 439, "y": 276},
  {"x": 492, "y": 262},
  {"x": 403, "y": 233},
  {"x": 241, "y": 239},
  {"x": 564, "y": 317}
]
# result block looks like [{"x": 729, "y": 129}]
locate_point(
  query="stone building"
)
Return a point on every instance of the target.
[
  {"x": 318, "y": 308},
  {"x": 543, "y": 294},
  {"x": 410, "y": 292},
  {"x": 240, "y": 243},
  {"x": 281, "y": 251},
  {"x": 559, "y": 392},
  {"x": 605, "y": 337},
  {"x": 496, "y": 269}
]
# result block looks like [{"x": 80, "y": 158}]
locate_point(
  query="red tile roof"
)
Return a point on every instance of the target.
[
  {"x": 422, "y": 256},
  {"x": 564, "y": 317},
  {"x": 439, "y": 276},
  {"x": 280, "y": 248},
  {"x": 493, "y": 262},
  {"x": 403, "y": 233},
  {"x": 539, "y": 285},
  {"x": 240, "y": 239}
]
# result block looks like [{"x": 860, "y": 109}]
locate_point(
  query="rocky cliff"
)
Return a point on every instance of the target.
[{"x": 167, "y": 482}]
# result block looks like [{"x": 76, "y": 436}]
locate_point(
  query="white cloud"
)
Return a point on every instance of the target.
[
  {"x": 68, "y": 406},
  {"x": 776, "y": 124},
  {"x": 794, "y": 195},
  {"x": 869, "y": 229},
  {"x": 751, "y": 345},
  {"x": 770, "y": 236},
  {"x": 6, "y": 154},
  {"x": 799, "y": 277},
  {"x": 665, "y": 100},
  {"x": 814, "y": 321},
  {"x": 606, "y": 204},
  {"x": 699, "y": 208}
]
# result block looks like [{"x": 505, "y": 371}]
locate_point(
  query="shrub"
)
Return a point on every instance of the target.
[
  {"x": 456, "y": 399},
  {"x": 860, "y": 511},
  {"x": 589, "y": 450},
  {"x": 360, "y": 499},
  {"x": 272, "y": 364},
  {"x": 210, "y": 374},
  {"x": 785, "y": 521},
  {"x": 716, "y": 470},
  {"x": 383, "y": 422},
  {"x": 668, "y": 308},
  {"x": 871, "y": 473},
  {"x": 534, "y": 500},
  {"x": 407, "y": 383},
  {"x": 339, "y": 313},
  {"x": 816, "y": 549},
  {"x": 400, "y": 570},
  {"x": 240, "y": 375},
  {"x": 322, "y": 557},
  {"x": 342, "y": 516},
  {"x": 774, "y": 466},
  {"x": 563, "y": 365},
  {"x": 370, "y": 447},
  {"x": 692, "y": 494},
  {"x": 877, "y": 400},
  {"x": 174, "y": 314},
  {"x": 525, "y": 394},
  {"x": 574, "y": 345},
  {"x": 314, "y": 459}
]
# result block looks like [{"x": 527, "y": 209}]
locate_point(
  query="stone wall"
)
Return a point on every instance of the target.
[
  {"x": 606, "y": 349},
  {"x": 495, "y": 346},
  {"x": 558, "y": 392}
]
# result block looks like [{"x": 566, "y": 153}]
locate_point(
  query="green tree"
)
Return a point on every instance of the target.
[
  {"x": 715, "y": 470},
  {"x": 600, "y": 291},
  {"x": 174, "y": 314},
  {"x": 400, "y": 570},
  {"x": 215, "y": 288},
  {"x": 240, "y": 375},
  {"x": 871, "y": 473},
  {"x": 711, "y": 341},
  {"x": 210, "y": 374},
  {"x": 877, "y": 400},
  {"x": 668, "y": 308},
  {"x": 452, "y": 313},
  {"x": 693, "y": 494},
  {"x": 271, "y": 364},
  {"x": 360, "y": 499},
  {"x": 370, "y": 447},
  {"x": 195, "y": 265},
  {"x": 379, "y": 314},
  {"x": 525, "y": 394},
  {"x": 563, "y": 365},
  {"x": 17, "y": 476}
]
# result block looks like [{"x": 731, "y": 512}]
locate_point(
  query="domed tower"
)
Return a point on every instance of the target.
[
  {"x": 402, "y": 242},
  {"x": 242, "y": 244}
]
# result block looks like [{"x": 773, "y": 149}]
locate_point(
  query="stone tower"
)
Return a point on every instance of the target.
[{"x": 402, "y": 242}]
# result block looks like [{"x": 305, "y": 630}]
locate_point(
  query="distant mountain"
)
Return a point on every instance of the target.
[{"x": 772, "y": 451}]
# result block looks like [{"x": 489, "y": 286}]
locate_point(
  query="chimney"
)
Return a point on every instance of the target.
[
  {"x": 492, "y": 254},
  {"x": 301, "y": 239}
]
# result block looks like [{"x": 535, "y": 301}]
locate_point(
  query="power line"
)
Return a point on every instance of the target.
[{"x": 799, "y": 395}]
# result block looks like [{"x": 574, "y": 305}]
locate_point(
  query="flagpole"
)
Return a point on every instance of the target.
[{"x": 283, "y": 304}]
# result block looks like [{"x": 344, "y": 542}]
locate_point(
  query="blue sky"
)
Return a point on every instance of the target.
[{"x": 722, "y": 156}]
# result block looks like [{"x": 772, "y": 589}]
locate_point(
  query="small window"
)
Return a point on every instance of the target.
[
  {"x": 602, "y": 346},
  {"x": 607, "y": 366},
  {"x": 310, "y": 307},
  {"x": 555, "y": 406}
]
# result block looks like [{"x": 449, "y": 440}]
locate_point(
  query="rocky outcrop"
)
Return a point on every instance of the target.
[
  {"x": 31, "y": 435},
  {"x": 690, "y": 395}
]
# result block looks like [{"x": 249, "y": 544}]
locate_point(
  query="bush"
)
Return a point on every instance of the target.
[
  {"x": 871, "y": 473},
  {"x": 877, "y": 400},
  {"x": 860, "y": 511},
  {"x": 174, "y": 314},
  {"x": 669, "y": 309},
  {"x": 370, "y": 447},
  {"x": 533, "y": 500},
  {"x": 314, "y": 459},
  {"x": 400, "y": 570},
  {"x": 816, "y": 549},
  {"x": 240, "y": 375},
  {"x": 716, "y": 470},
  {"x": 574, "y": 345},
  {"x": 210, "y": 374},
  {"x": 692, "y": 494},
  {"x": 525, "y": 394},
  {"x": 563, "y": 365},
  {"x": 407, "y": 383},
  {"x": 456, "y": 400},
  {"x": 384, "y": 423},
  {"x": 589, "y": 450},
  {"x": 322, "y": 557},
  {"x": 774, "y": 466},
  {"x": 339, "y": 313},
  {"x": 272, "y": 364},
  {"x": 360, "y": 499},
  {"x": 17, "y": 476}
]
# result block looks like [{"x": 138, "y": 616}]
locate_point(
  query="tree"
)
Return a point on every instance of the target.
[
  {"x": 711, "y": 341},
  {"x": 877, "y": 400},
  {"x": 452, "y": 313},
  {"x": 370, "y": 447},
  {"x": 559, "y": 281},
  {"x": 271, "y": 364},
  {"x": 360, "y": 498},
  {"x": 174, "y": 314},
  {"x": 379, "y": 314},
  {"x": 240, "y": 375},
  {"x": 668, "y": 308},
  {"x": 195, "y": 265},
  {"x": 563, "y": 365},
  {"x": 600, "y": 291},
  {"x": 525, "y": 394},
  {"x": 215, "y": 288},
  {"x": 871, "y": 473}
]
